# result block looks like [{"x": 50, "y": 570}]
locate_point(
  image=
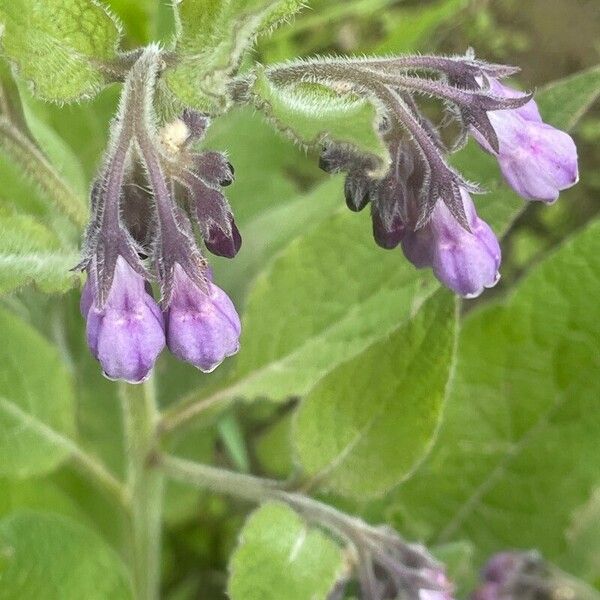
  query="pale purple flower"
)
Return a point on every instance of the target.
[
  {"x": 511, "y": 574},
  {"x": 501, "y": 565},
  {"x": 537, "y": 160},
  {"x": 465, "y": 261},
  {"x": 203, "y": 327},
  {"x": 439, "y": 578},
  {"x": 126, "y": 334}
]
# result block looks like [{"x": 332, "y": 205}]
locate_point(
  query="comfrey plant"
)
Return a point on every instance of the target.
[
  {"x": 367, "y": 391},
  {"x": 418, "y": 200}
]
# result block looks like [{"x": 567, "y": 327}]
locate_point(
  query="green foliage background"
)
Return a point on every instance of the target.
[{"x": 331, "y": 322}]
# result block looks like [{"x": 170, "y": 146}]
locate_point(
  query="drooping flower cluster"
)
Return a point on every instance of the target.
[
  {"x": 389, "y": 568},
  {"x": 155, "y": 188},
  {"x": 422, "y": 203},
  {"x": 140, "y": 232},
  {"x": 527, "y": 576}
]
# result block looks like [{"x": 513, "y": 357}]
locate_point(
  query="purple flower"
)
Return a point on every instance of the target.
[
  {"x": 439, "y": 578},
  {"x": 466, "y": 262},
  {"x": 501, "y": 566},
  {"x": 512, "y": 574},
  {"x": 203, "y": 327},
  {"x": 126, "y": 334},
  {"x": 537, "y": 160}
]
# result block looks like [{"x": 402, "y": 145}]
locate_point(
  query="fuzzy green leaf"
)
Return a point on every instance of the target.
[
  {"x": 59, "y": 46},
  {"x": 312, "y": 114},
  {"x": 515, "y": 450},
  {"x": 36, "y": 401},
  {"x": 30, "y": 253},
  {"x": 366, "y": 426},
  {"x": 46, "y": 556},
  {"x": 279, "y": 556},
  {"x": 328, "y": 297},
  {"x": 564, "y": 102},
  {"x": 213, "y": 38}
]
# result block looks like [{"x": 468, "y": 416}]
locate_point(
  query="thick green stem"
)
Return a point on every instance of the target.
[
  {"x": 145, "y": 488},
  {"x": 256, "y": 489}
]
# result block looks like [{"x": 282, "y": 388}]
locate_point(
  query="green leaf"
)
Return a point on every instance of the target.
[
  {"x": 408, "y": 27},
  {"x": 36, "y": 401},
  {"x": 139, "y": 18},
  {"x": 458, "y": 559},
  {"x": 563, "y": 102},
  {"x": 273, "y": 229},
  {"x": 30, "y": 253},
  {"x": 366, "y": 426},
  {"x": 279, "y": 556},
  {"x": 34, "y": 166},
  {"x": 36, "y": 494},
  {"x": 55, "y": 558},
  {"x": 213, "y": 38},
  {"x": 583, "y": 536},
  {"x": 273, "y": 448},
  {"x": 330, "y": 295},
  {"x": 59, "y": 46},
  {"x": 518, "y": 450},
  {"x": 63, "y": 158},
  {"x": 311, "y": 114},
  {"x": 88, "y": 140}
]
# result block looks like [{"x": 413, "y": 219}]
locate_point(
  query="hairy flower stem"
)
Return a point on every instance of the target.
[
  {"x": 445, "y": 183},
  {"x": 145, "y": 484},
  {"x": 345, "y": 527}
]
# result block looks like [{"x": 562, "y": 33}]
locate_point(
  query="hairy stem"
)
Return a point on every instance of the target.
[
  {"x": 347, "y": 528},
  {"x": 145, "y": 486}
]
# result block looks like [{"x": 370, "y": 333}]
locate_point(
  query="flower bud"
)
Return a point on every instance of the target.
[
  {"x": 465, "y": 261},
  {"x": 223, "y": 243},
  {"x": 203, "y": 327},
  {"x": 356, "y": 191},
  {"x": 387, "y": 209},
  {"x": 126, "y": 335},
  {"x": 537, "y": 160}
]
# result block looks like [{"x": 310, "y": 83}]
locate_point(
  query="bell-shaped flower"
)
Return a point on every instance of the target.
[
  {"x": 126, "y": 333},
  {"x": 203, "y": 327},
  {"x": 464, "y": 261},
  {"x": 537, "y": 160}
]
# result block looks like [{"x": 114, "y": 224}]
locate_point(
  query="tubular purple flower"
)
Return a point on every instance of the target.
[
  {"x": 126, "y": 334},
  {"x": 537, "y": 160},
  {"x": 465, "y": 261},
  {"x": 203, "y": 327},
  {"x": 439, "y": 578}
]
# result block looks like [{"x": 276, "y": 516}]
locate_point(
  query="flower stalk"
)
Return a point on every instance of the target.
[
  {"x": 145, "y": 485},
  {"x": 408, "y": 567}
]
